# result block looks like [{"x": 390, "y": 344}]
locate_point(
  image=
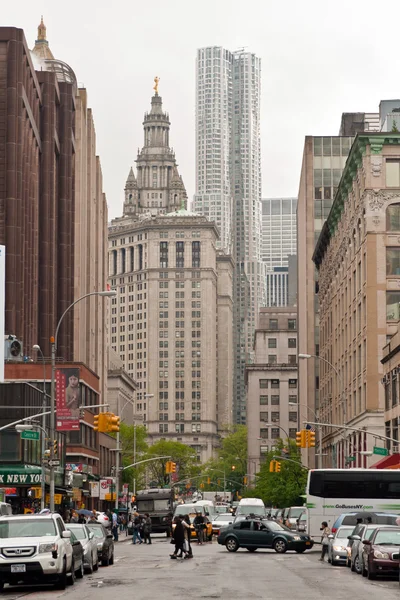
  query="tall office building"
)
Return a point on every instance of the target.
[
  {"x": 228, "y": 183},
  {"x": 171, "y": 323},
  {"x": 278, "y": 242}
]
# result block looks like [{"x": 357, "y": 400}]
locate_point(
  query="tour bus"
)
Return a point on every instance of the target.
[{"x": 332, "y": 492}]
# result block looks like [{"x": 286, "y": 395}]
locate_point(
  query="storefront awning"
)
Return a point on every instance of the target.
[
  {"x": 388, "y": 462},
  {"x": 20, "y": 474}
]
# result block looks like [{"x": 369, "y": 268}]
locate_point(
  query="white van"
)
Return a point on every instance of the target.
[
  {"x": 209, "y": 505},
  {"x": 251, "y": 506}
]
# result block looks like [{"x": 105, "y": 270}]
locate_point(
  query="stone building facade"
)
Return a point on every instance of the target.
[
  {"x": 272, "y": 390},
  {"x": 358, "y": 258},
  {"x": 390, "y": 382}
]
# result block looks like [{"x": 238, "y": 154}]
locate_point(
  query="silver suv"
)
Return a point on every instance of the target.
[{"x": 35, "y": 548}]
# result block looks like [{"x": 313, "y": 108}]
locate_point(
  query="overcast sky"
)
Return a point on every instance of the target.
[{"x": 319, "y": 59}]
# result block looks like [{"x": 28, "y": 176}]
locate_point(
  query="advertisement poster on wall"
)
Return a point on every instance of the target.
[
  {"x": 95, "y": 489},
  {"x": 105, "y": 488},
  {"x": 67, "y": 399}
]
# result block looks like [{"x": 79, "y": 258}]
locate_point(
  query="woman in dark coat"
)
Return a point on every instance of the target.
[{"x": 179, "y": 537}]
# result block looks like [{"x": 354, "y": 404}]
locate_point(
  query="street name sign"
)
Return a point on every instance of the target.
[
  {"x": 381, "y": 451},
  {"x": 30, "y": 435}
]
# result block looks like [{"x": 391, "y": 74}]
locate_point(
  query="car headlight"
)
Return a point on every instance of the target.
[
  {"x": 379, "y": 554},
  {"x": 297, "y": 538},
  {"x": 339, "y": 548},
  {"x": 43, "y": 548}
]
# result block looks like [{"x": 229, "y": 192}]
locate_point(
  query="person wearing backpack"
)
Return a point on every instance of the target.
[{"x": 147, "y": 529}]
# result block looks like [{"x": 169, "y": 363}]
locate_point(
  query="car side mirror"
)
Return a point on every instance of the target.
[
  {"x": 366, "y": 542},
  {"x": 91, "y": 535},
  {"x": 353, "y": 537},
  {"x": 66, "y": 534},
  {"x": 330, "y": 536}
]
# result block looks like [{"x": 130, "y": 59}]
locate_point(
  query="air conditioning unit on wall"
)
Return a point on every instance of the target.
[{"x": 13, "y": 349}]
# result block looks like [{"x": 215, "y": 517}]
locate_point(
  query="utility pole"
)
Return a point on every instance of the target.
[{"x": 117, "y": 463}]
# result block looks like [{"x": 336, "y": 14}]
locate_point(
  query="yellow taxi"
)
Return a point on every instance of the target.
[{"x": 192, "y": 510}]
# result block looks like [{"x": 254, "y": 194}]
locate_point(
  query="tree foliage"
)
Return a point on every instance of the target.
[
  {"x": 127, "y": 442},
  {"x": 284, "y": 488},
  {"x": 184, "y": 456},
  {"x": 230, "y": 465}
]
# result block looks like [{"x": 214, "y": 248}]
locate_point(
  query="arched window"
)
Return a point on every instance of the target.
[{"x": 393, "y": 217}]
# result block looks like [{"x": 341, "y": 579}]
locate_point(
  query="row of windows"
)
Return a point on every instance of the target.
[
  {"x": 275, "y": 399},
  {"x": 272, "y": 343},
  {"x": 291, "y": 324},
  {"x": 276, "y": 433},
  {"x": 275, "y": 383},
  {"x": 179, "y": 254},
  {"x": 179, "y": 428}
]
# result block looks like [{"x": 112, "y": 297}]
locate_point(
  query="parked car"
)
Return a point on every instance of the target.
[
  {"x": 337, "y": 548},
  {"x": 35, "y": 549},
  {"x": 262, "y": 533},
  {"x": 292, "y": 514},
  {"x": 381, "y": 553},
  {"x": 360, "y": 533},
  {"x": 102, "y": 518},
  {"x": 105, "y": 543},
  {"x": 89, "y": 545},
  {"x": 221, "y": 521},
  {"x": 302, "y": 521},
  {"x": 77, "y": 559},
  {"x": 354, "y": 519}
]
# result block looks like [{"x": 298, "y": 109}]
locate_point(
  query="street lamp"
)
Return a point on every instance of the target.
[
  {"x": 53, "y": 340},
  {"x": 28, "y": 427},
  {"x": 37, "y": 348}
]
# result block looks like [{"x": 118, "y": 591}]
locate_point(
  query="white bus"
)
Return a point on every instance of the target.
[{"x": 331, "y": 492}]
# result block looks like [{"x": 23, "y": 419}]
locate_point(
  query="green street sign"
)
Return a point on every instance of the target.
[
  {"x": 350, "y": 458},
  {"x": 30, "y": 435},
  {"x": 381, "y": 451}
]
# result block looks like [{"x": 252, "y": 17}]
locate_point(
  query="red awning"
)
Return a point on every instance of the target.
[{"x": 388, "y": 462}]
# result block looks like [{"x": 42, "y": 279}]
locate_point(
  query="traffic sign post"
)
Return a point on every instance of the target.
[
  {"x": 30, "y": 435},
  {"x": 380, "y": 451}
]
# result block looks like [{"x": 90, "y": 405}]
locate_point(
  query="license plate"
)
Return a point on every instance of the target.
[
  {"x": 308, "y": 543},
  {"x": 18, "y": 568}
]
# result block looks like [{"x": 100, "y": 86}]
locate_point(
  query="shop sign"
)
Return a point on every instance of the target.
[
  {"x": 76, "y": 494},
  {"x": 104, "y": 488},
  {"x": 10, "y": 491},
  {"x": 94, "y": 489},
  {"x": 76, "y": 467},
  {"x": 20, "y": 478}
]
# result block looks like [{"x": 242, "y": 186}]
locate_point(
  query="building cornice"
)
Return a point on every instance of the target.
[{"x": 375, "y": 141}]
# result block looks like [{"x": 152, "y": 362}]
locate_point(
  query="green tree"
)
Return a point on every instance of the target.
[
  {"x": 184, "y": 456},
  {"x": 127, "y": 442},
  {"x": 394, "y": 127},
  {"x": 231, "y": 462},
  {"x": 287, "y": 487}
]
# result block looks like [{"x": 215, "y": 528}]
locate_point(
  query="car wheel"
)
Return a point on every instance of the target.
[
  {"x": 300, "y": 550},
  {"x": 112, "y": 559},
  {"x": 96, "y": 564},
  {"x": 106, "y": 560},
  {"x": 81, "y": 571},
  {"x": 62, "y": 579},
  {"x": 71, "y": 578},
  {"x": 333, "y": 563},
  {"x": 89, "y": 568},
  {"x": 280, "y": 546},
  {"x": 231, "y": 544},
  {"x": 251, "y": 549}
]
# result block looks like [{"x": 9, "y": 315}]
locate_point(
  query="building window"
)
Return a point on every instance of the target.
[
  {"x": 180, "y": 254},
  {"x": 292, "y": 433},
  {"x": 293, "y": 417},
  {"x": 393, "y": 261},
  {"x": 271, "y": 342},
  {"x": 292, "y": 343},
  {"x": 273, "y": 324},
  {"x": 164, "y": 255},
  {"x": 275, "y": 433},
  {"x": 275, "y": 400},
  {"x": 263, "y": 383},
  {"x": 292, "y": 399},
  {"x": 392, "y": 306},
  {"x": 264, "y": 433},
  {"x": 292, "y": 324},
  {"x": 264, "y": 417},
  {"x": 292, "y": 359},
  {"x": 275, "y": 384},
  {"x": 163, "y": 428},
  {"x": 292, "y": 383},
  {"x": 196, "y": 254},
  {"x": 393, "y": 217},
  {"x": 263, "y": 399},
  {"x": 272, "y": 359},
  {"x": 393, "y": 172}
]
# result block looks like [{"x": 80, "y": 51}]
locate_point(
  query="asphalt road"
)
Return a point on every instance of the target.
[{"x": 147, "y": 573}]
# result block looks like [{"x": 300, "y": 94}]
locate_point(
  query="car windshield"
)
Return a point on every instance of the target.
[
  {"x": 273, "y": 526},
  {"x": 250, "y": 510},
  {"x": 79, "y": 532},
  {"x": 186, "y": 509},
  {"x": 221, "y": 509},
  {"x": 389, "y": 538},
  {"x": 224, "y": 518},
  {"x": 343, "y": 532},
  {"x": 27, "y": 528},
  {"x": 98, "y": 532},
  {"x": 295, "y": 513}
]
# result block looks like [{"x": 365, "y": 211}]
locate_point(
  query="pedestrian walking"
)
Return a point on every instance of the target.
[
  {"x": 187, "y": 546},
  {"x": 114, "y": 526},
  {"x": 136, "y": 529},
  {"x": 147, "y": 529},
  {"x": 325, "y": 539},
  {"x": 179, "y": 538},
  {"x": 199, "y": 526}
]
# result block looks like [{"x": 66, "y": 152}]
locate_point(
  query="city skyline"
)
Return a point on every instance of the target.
[{"x": 290, "y": 58}]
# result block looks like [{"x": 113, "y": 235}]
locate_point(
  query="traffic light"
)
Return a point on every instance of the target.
[
  {"x": 310, "y": 439},
  {"x": 272, "y": 466},
  {"x": 245, "y": 480},
  {"x": 173, "y": 467},
  {"x": 233, "y": 468},
  {"x": 208, "y": 480},
  {"x": 301, "y": 438},
  {"x": 113, "y": 422},
  {"x": 277, "y": 467},
  {"x": 168, "y": 467},
  {"x": 55, "y": 448},
  {"x": 100, "y": 422},
  {"x": 202, "y": 486}
]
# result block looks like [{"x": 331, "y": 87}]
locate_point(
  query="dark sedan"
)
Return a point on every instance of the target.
[
  {"x": 77, "y": 559},
  {"x": 381, "y": 553},
  {"x": 105, "y": 543},
  {"x": 255, "y": 533}
]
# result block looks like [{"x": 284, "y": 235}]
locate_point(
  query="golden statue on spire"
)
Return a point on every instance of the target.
[
  {"x": 41, "y": 30},
  {"x": 156, "y": 81}
]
